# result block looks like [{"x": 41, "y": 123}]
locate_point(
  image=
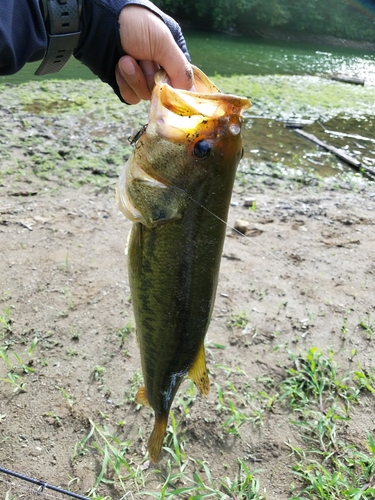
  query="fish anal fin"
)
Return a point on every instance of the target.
[
  {"x": 157, "y": 436},
  {"x": 141, "y": 397},
  {"x": 198, "y": 372}
]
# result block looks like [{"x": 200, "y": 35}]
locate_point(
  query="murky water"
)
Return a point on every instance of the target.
[{"x": 270, "y": 141}]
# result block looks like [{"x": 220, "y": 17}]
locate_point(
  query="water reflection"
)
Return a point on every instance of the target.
[{"x": 237, "y": 55}]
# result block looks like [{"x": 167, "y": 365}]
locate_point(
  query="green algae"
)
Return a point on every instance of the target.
[
  {"x": 77, "y": 131},
  {"x": 303, "y": 96}
]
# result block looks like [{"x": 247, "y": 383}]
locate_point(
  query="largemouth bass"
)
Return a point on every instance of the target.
[{"x": 176, "y": 188}]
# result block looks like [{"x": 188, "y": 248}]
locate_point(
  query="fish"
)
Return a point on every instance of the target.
[{"x": 176, "y": 189}]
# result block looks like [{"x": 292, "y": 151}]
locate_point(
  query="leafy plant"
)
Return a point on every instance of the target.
[
  {"x": 6, "y": 320},
  {"x": 313, "y": 378},
  {"x": 238, "y": 320}
]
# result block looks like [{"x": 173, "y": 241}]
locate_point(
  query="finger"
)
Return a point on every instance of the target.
[
  {"x": 126, "y": 91},
  {"x": 149, "y": 69},
  {"x": 134, "y": 77},
  {"x": 178, "y": 68}
]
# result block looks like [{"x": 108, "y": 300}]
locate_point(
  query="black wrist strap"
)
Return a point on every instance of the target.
[{"x": 62, "y": 22}]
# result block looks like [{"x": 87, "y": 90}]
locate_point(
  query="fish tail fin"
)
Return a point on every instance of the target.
[
  {"x": 198, "y": 372},
  {"x": 141, "y": 397},
  {"x": 156, "y": 439}
]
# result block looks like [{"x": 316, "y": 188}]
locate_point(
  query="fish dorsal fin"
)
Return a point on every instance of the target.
[
  {"x": 157, "y": 436},
  {"x": 141, "y": 397},
  {"x": 198, "y": 372}
]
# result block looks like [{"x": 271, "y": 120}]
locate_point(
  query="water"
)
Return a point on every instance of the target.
[
  {"x": 230, "y": 55},
  {"x": 237, "y": 55}
]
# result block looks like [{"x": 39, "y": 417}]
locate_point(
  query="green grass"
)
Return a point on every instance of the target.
[
  {"x": 346, "y": 473},
  {"x": 317, "y": 394},
  {"x": 17, "y": 366},
  {"x": 6, "y": 321},
  {"x": 319, "y": 399},
  {"x": 239, "y": 320},
  {"x": 314, "y": 378}
]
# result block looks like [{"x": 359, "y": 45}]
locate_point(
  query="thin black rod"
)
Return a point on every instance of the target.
[{"x": 42, "y": 484}]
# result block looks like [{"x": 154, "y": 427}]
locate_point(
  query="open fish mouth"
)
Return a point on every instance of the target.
[{"x": 176, "y": 113}]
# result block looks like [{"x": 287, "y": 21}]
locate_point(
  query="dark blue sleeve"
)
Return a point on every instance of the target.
[{"x": 23, "y": 36}]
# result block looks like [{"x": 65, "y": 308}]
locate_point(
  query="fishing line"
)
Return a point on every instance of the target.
[
  {"x": 267, "y": 252},
  {"x": 133, "y": 140},
  {"x": 291, "y": 267}
]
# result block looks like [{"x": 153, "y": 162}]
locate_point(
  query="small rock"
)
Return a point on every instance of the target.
[{"x": 242, "y": 225}]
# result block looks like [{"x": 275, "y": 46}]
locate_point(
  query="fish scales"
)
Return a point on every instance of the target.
[{"x": 181, "y": 172}]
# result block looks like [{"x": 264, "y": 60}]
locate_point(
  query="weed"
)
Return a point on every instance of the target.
[
  {"x": 368, "y": 326},
  {"x": 66, "y": 262},
  {"x": 238, "y": 320},
  {"x": 22, "y": 367},
  {"x": 175, "y": 445},
  {"x": 66, "y": 397},
  {"x": 6, "y": 320},
  {"x": 54, "y": 416},
  {"x": 365, "y": 379},
  {"x": 115, "y": 469},
  {"x": 234, "y": 422},
  {"x": 75, "y": 335},
  {"x": 33, "y": 345},
  {"x": 348, "y": 474},
  {"x": 253, "y": 206},
  {"x": 312, "y": 378},
  {"x": 123, "y": 333},
  {"x": 318, "y": 428},
  {"x": 16, "y": 380},
  {"x": 72, "y": 352},
  {"x": 244, "y": 486},
  {"x": 99, "y": 372},
  {"x": 187, "y": 399},
  {"x": 229, "y": 371}
]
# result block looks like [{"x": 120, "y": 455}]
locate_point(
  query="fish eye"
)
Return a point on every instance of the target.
[{"x": 202, "y": 150}]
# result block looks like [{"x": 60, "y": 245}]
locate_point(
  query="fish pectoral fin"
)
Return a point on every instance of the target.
[
  {"x": 198, "y": 372},
  {"x": 141, "y": 397},
  {"x": 157, "y": 436}
]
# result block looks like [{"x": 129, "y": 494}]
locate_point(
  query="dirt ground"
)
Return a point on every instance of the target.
[
  {"x": 307, "y": 264},
  {"x": 302, "y": 277}
]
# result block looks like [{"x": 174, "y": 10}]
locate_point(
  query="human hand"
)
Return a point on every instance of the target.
[{"x": 149, "y": 45}]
